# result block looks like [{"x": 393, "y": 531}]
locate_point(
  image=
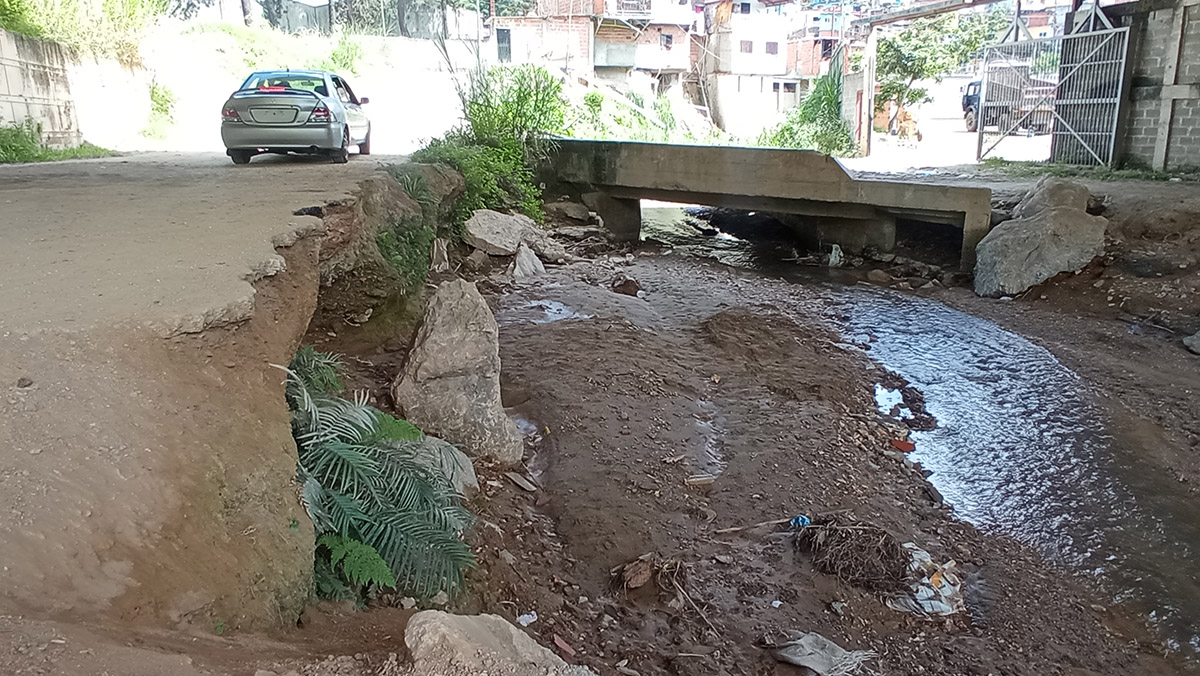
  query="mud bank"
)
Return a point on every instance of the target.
[{"x": 149, "y": 479}]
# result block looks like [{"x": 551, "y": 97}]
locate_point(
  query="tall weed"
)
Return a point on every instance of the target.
[{"x": 816, "y": 123}]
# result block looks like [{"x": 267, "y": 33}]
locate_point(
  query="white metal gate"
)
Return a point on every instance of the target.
[{"x": 1054, "y": 99}]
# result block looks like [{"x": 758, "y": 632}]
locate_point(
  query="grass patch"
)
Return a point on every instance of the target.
[
  {"x": 162, "y": 112},
  {"x": 106, "y": 28},
  {"x": 22, "y": 142},
  {"x": 1037, "y": 169}
]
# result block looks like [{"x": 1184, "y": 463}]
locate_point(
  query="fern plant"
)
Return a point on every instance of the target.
[{"x": 361, "y": 485}]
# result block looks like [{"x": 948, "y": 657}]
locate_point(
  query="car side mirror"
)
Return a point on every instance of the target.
[{"x": 364, "y": 100}]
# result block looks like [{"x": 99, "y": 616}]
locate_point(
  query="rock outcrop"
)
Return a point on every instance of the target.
[
  {"x": 1051, "y": 233},
  {"x": 500, "y": 234},
  {"x": 448, "y": 645},
  {"x": 1192, "y": 342},
  {"x": 526, "y": 263},
  {"x": 450, "y": 384},
  {"x": 567, "y": 211}
]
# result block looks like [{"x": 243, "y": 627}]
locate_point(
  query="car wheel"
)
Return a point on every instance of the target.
[
  {"x": 972, "y": 121},
  {"x": 364, "y": 148},
  {"x": 342, "y": 155},
  {"x": 240, "y": 156}
]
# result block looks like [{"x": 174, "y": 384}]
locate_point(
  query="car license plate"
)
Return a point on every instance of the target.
[{"x": 273, "y": 115}]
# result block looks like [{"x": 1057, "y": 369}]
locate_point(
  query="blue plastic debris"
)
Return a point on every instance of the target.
[{"x": 800, "y": 521}]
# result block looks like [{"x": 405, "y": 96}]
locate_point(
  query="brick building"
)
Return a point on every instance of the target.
[
  {"x": 1162, "y": 114},
  {"x": 608, "y": 38}
]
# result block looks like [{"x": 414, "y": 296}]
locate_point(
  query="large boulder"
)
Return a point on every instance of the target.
[
  {"x": 1052, "y": 233},
  {"x": 445, "y": 644},
  {"x": 1051, "y": 192},
  {"x": 500, "y": 234},
  {"x": 526, "y": 263},
  {"x": 495, "y": 233},
  {"x": 567, "y": 211},
  {"x": 450, "y": 383},
  {"x": 1192, "y": 342}
]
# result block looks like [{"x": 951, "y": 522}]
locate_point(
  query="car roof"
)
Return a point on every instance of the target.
[{"x": 285, "y": 71}]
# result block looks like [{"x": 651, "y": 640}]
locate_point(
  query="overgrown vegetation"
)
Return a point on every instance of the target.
[
  {"x": 1035, "y": 169},
  {"x": 509, "y": 113},
  {"x": 816, "y": 123},
  {"x": 368, "y": 495},
  {"x": 109, "y": 28},
  {"x": 22, "y": 142},
  {"x": 162, "y": 112}
]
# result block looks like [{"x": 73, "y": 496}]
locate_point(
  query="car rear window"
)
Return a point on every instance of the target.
[{"x": 307, "y": 83}]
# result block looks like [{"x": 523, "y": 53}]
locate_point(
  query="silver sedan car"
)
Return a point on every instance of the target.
[{"x": 294, "y": 111}]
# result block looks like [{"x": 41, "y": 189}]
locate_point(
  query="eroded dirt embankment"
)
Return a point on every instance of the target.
[{"x": 151, "y": 478}]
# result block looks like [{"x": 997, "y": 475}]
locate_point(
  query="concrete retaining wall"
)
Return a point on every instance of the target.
[
  {"x": 1162, "y": 117},
  {"x": 73, "y": 99}
]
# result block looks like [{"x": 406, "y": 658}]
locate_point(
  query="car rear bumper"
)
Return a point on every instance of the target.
[{"x": 250, "y": 137}]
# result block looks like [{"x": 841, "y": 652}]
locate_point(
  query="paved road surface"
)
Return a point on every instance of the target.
[{"x": 167, "y": 239}]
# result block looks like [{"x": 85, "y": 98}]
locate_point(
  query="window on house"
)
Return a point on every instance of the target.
[
  {"x": 827, "y": 49},
  {"x": 504, "y": 45},
  {"x": 747, "y": 47},
  {"x": 775, "y": 87},
  {"x": 665, "y": 41},
  {"x": 772, "y": 47},
  {"x": 789, "y": 87},
  {"x": 744, "y": 8}
]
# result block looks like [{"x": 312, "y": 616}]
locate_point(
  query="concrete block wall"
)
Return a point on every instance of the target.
[
  {"x": 1152, "y": 25},
  {"x": 35, "y": 85}
]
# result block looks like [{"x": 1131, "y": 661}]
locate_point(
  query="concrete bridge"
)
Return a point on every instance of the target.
[{"x": 829, "y": 205}]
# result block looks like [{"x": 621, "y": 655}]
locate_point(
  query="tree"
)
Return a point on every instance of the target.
[{"x": 929, "y": 49}]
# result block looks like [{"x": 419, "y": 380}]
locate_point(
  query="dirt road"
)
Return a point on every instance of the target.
[{"x": 168, "y": 239}]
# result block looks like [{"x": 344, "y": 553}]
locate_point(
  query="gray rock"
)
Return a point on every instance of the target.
[
  {"x": 495, "y": 233},
  {"x": 1026, "y": 251},
  {"x": 879, "y": 277},
  {"x": 450, "y": 384},
  {"x": 443, "y": 457},
  {"x": 526, "y": 263},
  {"x": 571, "y": 211},
  {"x": 1051, "y": 192},
  {"x": 500, "y": 234},
  {"x": 1193, "y": 342},
  {"x": 444, "y": 644}
]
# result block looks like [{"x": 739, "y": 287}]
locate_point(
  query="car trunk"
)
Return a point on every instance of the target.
[{"x": 274, "y": 107}]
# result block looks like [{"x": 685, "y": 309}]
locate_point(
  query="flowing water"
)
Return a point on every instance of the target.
[{"x": 1020, "y": 447}]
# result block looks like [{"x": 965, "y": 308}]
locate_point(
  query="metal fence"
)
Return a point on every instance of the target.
[{"x": 1053, "y": 99}]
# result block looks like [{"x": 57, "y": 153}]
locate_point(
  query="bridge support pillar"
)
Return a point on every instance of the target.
[{"x": 622, "y": 217}]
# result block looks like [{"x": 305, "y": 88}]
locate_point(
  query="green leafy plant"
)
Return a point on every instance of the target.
[
  {"x": 816, "y": 123},
  {"x": 22, "y": 142},
  {"x": 345, "y": 55},
  {"x": 594, "y": 102},
  {"x": 346, "y": 569},
  {"x": 497, "y": 175},
  {"x": 361, "y": 483},
  {"x": 16, "y": 16}
]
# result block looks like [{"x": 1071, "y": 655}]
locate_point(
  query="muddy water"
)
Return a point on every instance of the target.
[{"x": 1020, "y": 447}]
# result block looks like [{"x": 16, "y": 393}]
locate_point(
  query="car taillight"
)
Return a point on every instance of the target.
[
  {"x": 230, "y": 115},
  {"x": 320, "y": 114}
]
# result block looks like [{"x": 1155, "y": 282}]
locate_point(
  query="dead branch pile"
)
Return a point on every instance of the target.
[{"x": 862, "y": 554}]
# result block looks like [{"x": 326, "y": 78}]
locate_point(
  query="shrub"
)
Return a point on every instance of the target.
[
  {"x": 594, "y": 101},
  {"x": 504, "y": 103},
  {"x": 496, "y": 174},
  {"x": 359, "y": 485},
  {"x": 816, "y": 123},
  {"x": 348, "y": 570},
  {"x": 22, "y": 142},
  {"x": 345, "y": 55},
  {"x": 16, "y": 16}
]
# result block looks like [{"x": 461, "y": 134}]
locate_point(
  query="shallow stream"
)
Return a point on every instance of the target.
[{"x": 1020, "y": 447}]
